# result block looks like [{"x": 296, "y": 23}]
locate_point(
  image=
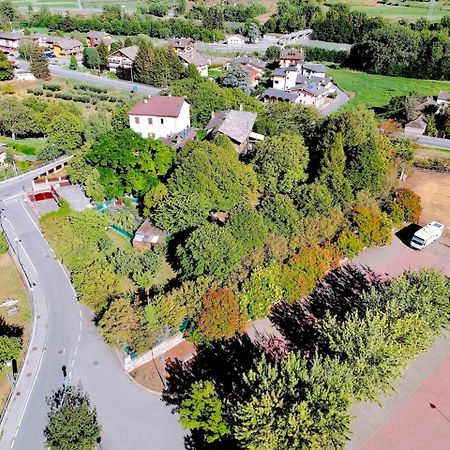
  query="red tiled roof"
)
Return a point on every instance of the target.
[{"x": 158, "y": 106}]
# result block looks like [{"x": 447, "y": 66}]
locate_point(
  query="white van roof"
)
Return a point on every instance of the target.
[{"x": 429, "y": 230}]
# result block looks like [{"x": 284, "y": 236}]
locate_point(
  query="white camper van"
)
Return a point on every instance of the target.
[{"x": 426, "y": 235}]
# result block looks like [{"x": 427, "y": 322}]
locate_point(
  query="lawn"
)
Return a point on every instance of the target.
[
  {"x": 377, "y": 90},
  {"x": 12, "y": 287}
]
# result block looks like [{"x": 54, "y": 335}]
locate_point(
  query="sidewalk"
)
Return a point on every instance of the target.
[{"x": 405, "y": 420}]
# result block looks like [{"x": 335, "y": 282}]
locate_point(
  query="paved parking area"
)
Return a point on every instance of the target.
[{"x": 405, "y": 420}]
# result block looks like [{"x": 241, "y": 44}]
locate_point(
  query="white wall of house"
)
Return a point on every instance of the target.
[
  {"x": 308, "y": 99},
  {"x": 157, "y": 126},
  {"x": 119, "y": 61},
  {"x": 310, "y": 73},
  {"x": 286, "y": 81},
  {"x": 9, "y": 43}
]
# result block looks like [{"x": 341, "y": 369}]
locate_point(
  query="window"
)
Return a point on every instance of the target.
[
  {"x": 150, "y": 121},
  {"x": 162, "y": 121},
  {"x": 136, "y": 120}
]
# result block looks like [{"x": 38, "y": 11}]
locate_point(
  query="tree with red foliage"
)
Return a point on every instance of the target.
[{"x": 222, "y": 317}]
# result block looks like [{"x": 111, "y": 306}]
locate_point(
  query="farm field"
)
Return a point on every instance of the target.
[{"x": 377, "y": 90}]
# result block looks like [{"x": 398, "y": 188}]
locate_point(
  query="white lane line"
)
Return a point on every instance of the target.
[
  {"x": 79, "y": 337},
  {"x": 34, "y": 223},
  {"x": 15, "y": 434},
  {"x": 72, "y": 363},
  {"x": 12, "y": 196},
  {"x": 68, "y": 278},
  {"x": 76, "y": 351},
  {"x": 81, "y": 325},
  {"x": 80, "y": 313},
  {"x": 12, "y": 443}
]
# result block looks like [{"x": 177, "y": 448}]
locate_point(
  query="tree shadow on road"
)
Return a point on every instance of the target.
[{"x": 339, "y": 293}]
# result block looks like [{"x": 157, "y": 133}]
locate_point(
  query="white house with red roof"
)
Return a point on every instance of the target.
[{"x": 159, "y": 116}]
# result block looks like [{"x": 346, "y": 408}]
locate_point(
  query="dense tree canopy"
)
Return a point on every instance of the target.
[{"x": 128, "y": 163}]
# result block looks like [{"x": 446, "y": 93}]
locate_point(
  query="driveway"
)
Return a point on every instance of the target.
[{"x": 405, "y": 420}]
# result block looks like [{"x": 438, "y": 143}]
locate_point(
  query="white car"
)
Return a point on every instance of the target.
[{"x": 426, "y": 235}]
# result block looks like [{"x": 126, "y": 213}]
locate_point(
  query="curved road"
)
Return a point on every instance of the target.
[{"x": 64, "y": 335}]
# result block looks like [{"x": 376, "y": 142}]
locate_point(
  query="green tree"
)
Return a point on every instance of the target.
[
  {"x": 252, "y": 32},
  {"x": 9, "y": 348},
  {"x": 73, "y": 65},
  {"x": 313, "y": 199},
  {"x": 15, "y": 118},
  {"x": 209, "y": 176},
  {"x": 272, "y": 53},
  {"x": 280, "y": 163},
  {"x": 72, "y": 422},
  {"x": 91, "y": 58},
  {"x": 293, "y": 404},
  {"x": 6, "y": 68},
  {"x": 209, "y": 250},
  {"x": 332, "y": 172},
  {"x": 280, "y": 213},
  {"x": 8, "y": 12},
  {"x": 26, "y": 47},
  {"x": 39, "y": 63},
  {"x": 238, "y": 77},
  {"x": 103, "y": 52},
  {"x": 202, "y": 410}
]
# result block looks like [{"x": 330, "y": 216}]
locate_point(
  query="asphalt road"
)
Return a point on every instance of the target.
[
  {"x": 65, "y": 335},
  {"x": 434, "y": 142}
]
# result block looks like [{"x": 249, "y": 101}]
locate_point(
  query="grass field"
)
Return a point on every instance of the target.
[
  {"x": 12, "y": 287},
  {"x": 377, "y": 90}
]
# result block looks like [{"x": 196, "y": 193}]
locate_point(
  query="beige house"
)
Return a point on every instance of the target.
[
  {"x": 124, "y": 58},
  {"x": 147, "y": 236},
  {"x": 198, "y": 60},
  {"x": 160, "y": 117},
  {"x": 10, "y": 40},
  {"x": 181, "y": 44},
  {"x": 290, "y": 57}
]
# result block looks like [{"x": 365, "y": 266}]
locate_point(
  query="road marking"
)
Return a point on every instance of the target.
[
  {"x": 23, "y": 248},
  {"x": 76, "y": 350},
  {"x": 81, "y": 325},
  {"x": 68, "y": 278},
  {"x": 34, "y": 223},
  {"x": 12, "y": 443},
  {"x": 80, "y": 313},
  {"x": 12, "y": 196},
  {"x": 15, "y": 434},
  {"x": 72, "y": 363},
  {"x": 79, "y": 337}
]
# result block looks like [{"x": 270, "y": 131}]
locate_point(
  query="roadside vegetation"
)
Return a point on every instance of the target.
[
  {"x": 348, "y": 341},
  {"x": 15, "y": 318}
]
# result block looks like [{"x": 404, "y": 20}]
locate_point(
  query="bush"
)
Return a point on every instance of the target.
[
  {"x": 407, "y": 203},
  {"x": 52, "y": 87},
  {"x": 8, "y": 89},
  {"x": 349, "y": 243},
  {"x": 3, "y": 244}
]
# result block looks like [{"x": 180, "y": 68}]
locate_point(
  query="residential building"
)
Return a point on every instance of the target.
[
  {"x": 181, "y": 44},
  {"x": 284, "y": 78},
  {"x": 236, "y": 125},
  {"x": 443, "y": 98},
  {"x": 124, "y": 58},
  {"x": 159, "y": 116},
  {"x": 272, "y": 94},
  {"x": 64, "y": 46},
  {"x": 254, "y": 66},
  {"x": 416, "y": 127},
  {"x": 147, "y": 236},
  {"x": 93, "y": 38},
  {"x": 317, "y": 70},
  {"x": 198, "y": 60},
  {"x": 235, "y": 39},
  {"x": 291, "y": 57},
  {"x": 179, "y": 140},
  {"x": 10, "y": 40}
]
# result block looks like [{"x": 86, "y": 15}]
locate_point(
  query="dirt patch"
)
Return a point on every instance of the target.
[
  {"x": 153, "y": 374},
  {"x": 434, "y": 189}
]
